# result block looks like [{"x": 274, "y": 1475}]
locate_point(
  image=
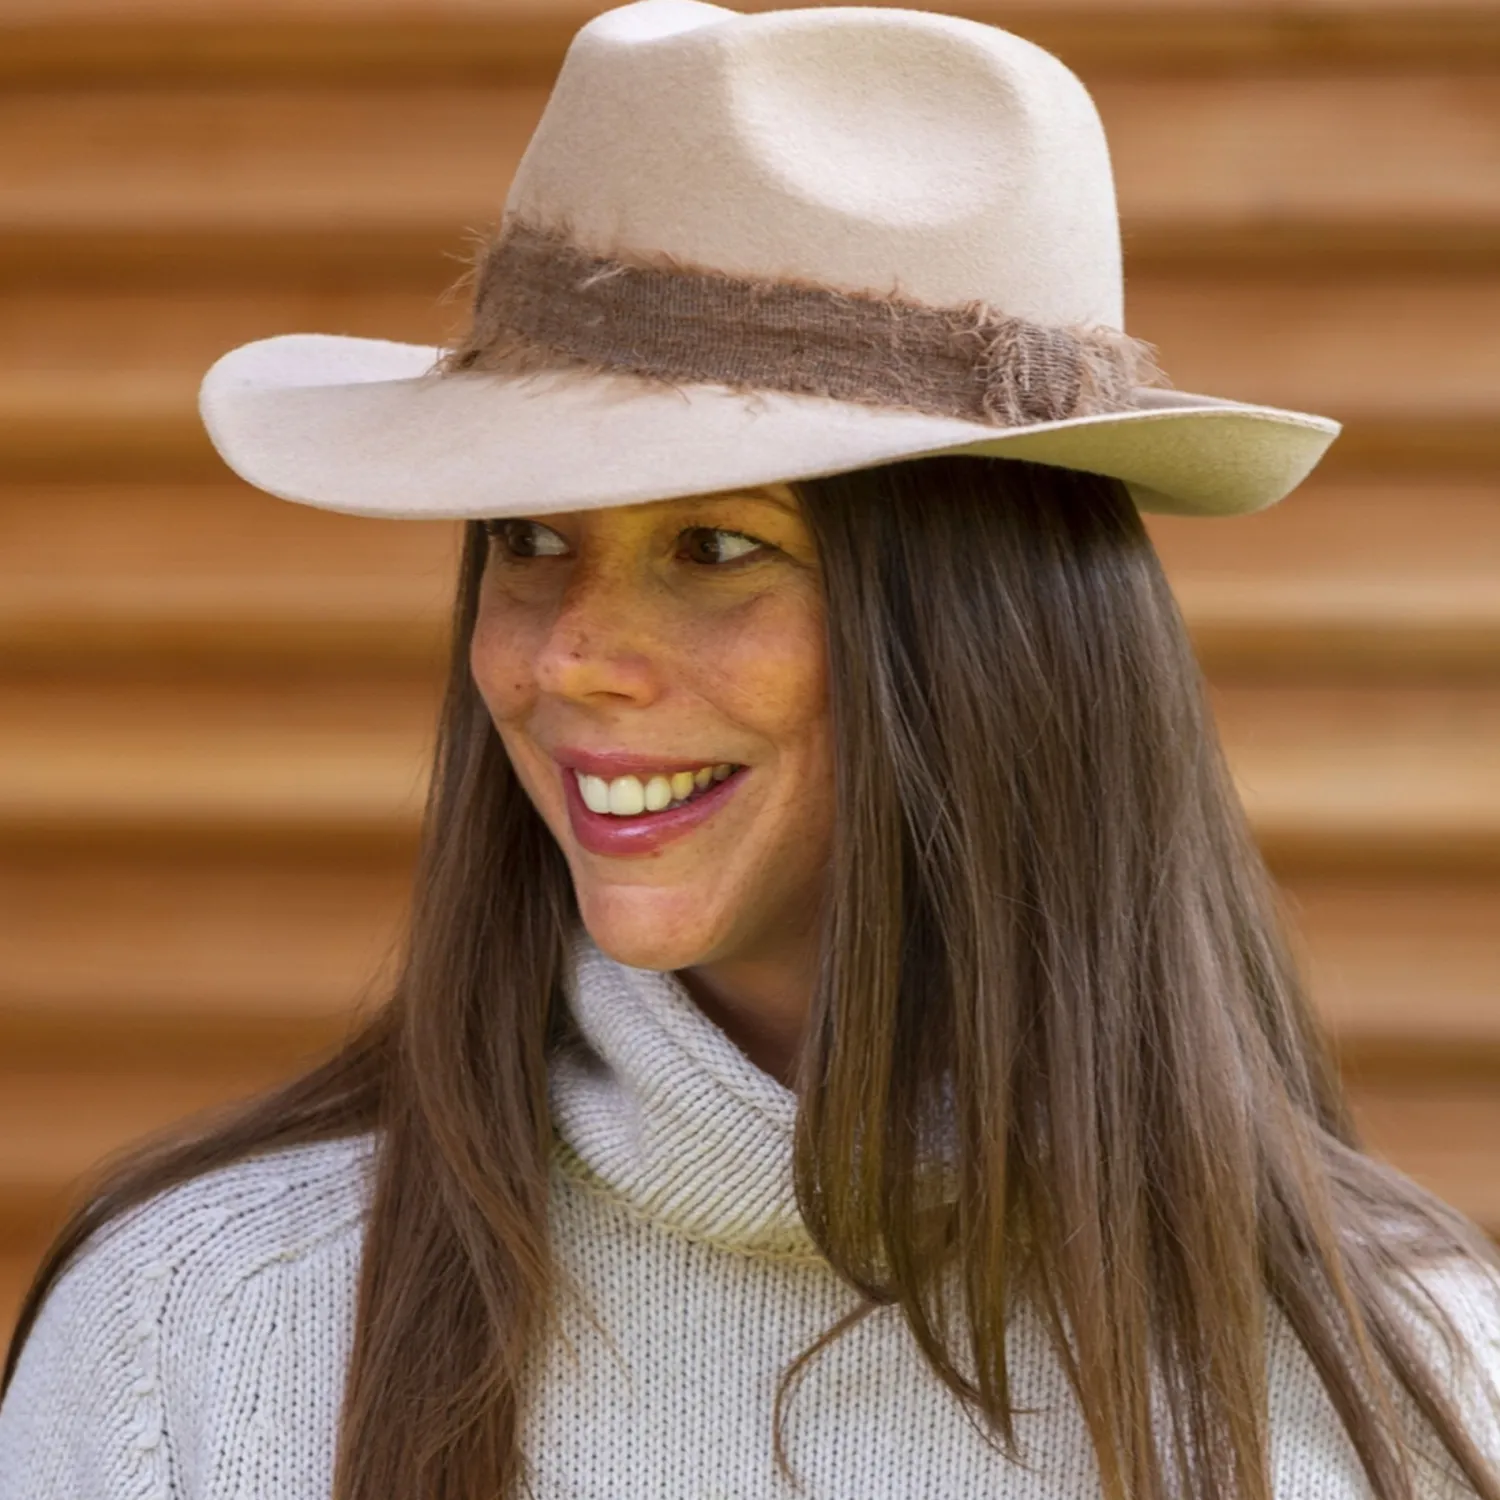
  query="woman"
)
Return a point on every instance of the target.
[{"x": 844, "y": 1040}]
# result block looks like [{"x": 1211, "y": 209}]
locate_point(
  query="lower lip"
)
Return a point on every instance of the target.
[{"x": 603, "y": 833}]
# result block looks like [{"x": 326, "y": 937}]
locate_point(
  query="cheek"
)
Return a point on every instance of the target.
[
  {"x": 765, "y": 664},
  {"x": 501, "y": 653}
]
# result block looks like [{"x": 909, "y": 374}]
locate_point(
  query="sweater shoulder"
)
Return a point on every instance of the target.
[
  {"x": 1468, "y": 1292},
  {"x": 130, "y": 1354},
  {"x": 1451, "y": 1309},
  {"x": 210, "y": 1234}
]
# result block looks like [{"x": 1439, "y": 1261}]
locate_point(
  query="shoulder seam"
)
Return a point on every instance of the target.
[{"x": 151, "y": 1293}]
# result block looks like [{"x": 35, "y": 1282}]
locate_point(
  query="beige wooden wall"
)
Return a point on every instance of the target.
[{"x": 215, "y": 707}]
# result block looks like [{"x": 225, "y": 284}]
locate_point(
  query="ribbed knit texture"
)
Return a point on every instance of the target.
[{"x": 196, "y": 1351}]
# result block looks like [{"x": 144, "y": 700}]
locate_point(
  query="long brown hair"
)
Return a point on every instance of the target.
[{"x": 1047, "y": 928}]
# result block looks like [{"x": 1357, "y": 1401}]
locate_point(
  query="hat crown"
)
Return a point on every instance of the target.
[{"x": 860, "y": 148}]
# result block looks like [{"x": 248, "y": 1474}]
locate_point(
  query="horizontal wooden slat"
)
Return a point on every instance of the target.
[
  {"x": 142, "y": 954},
  {"x": 217, "y": 572},
  {"x": 42, "y": 41},
  {"x": 65, "y": 408},
  {"x": 1342, "y": 532},
  {"x": 360, "y": 162},
  {"x": 56, "y": 1126},
  {"x": 1321, "y": 345},
  {"x": 1355, "y": 576},
  {"x": 1363, "y": 627},
  {"x": 1447, "y": 1138},
  {"x": 133, "y": 953},
  {"x": 1385, "y": 774},
  {"x": 80, "y": 536},
  {"x": 1403, "y": 773},
  {"x": 268, "y": 183},
  {"x": 276, "y": 759},
  {"x": 1326, "y": 345},
  {"x": 1403, "y": 966},
  {"x": 336, "y": 183},
  {"x": 188, "y": 619},
  {"x": 1354, "y": 168},
  {"x": 1368, "y": 576}
]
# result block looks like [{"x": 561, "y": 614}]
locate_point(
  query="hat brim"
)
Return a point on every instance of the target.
[{"x": 364, "y": 426}]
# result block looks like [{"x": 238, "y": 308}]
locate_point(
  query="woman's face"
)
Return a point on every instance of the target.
[{"x": 657, "y": 674}]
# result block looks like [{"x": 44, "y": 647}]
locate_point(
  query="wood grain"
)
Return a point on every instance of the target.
[
  {"x": 52, "y": 41},
  {"x": 392, "y": 182}
]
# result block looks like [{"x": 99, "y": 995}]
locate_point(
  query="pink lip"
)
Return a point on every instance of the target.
[{"x": 603, "y": 833}]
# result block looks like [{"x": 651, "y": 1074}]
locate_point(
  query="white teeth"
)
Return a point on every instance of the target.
[{"x": 628, "y": 796}]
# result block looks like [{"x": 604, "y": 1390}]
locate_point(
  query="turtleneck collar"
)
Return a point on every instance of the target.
[{"x": 662, "y": 1110}]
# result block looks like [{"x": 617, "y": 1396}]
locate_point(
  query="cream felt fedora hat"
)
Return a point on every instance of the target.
[{"x": 742, "y": 248}]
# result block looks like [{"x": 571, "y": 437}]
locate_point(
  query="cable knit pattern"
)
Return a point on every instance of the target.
[
  {"x": 198, "y": 1346},
  {"x": 196, "y": 1350}
]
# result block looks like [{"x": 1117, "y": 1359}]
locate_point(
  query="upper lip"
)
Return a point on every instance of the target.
[{"x": 612, "y": 763}]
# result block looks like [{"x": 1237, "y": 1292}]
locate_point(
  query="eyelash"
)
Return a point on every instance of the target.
[
  {"x": 494, "y": 528},
  {"x": 760, "y": 547}
]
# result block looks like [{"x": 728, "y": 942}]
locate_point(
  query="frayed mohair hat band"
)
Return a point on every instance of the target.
[{"x": 541, "y": 302}]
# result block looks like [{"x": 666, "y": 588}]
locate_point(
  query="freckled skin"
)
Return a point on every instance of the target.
[{"x": 620, "y": 636}]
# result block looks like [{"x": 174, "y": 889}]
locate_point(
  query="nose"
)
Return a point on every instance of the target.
[{"x": 600, "y": 643}]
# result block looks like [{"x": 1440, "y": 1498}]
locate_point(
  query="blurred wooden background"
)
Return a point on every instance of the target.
[{"x": 216, "y": 706}]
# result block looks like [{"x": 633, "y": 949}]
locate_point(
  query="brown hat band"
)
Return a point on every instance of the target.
[{"x": 542, "y": 302}]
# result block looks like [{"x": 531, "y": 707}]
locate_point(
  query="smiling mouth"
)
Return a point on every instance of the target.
[{"x": 637, "y": 796}]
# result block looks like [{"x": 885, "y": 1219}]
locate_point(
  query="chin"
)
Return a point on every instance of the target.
[{"x": 650, "y": 934}]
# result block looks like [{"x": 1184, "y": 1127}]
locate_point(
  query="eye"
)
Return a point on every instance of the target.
[
  {"x": 525, "y": 538},
  {"x": 714, "y": 546}
]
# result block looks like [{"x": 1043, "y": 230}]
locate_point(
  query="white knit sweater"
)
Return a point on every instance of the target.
[{"x": 197, "y": 1350}]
